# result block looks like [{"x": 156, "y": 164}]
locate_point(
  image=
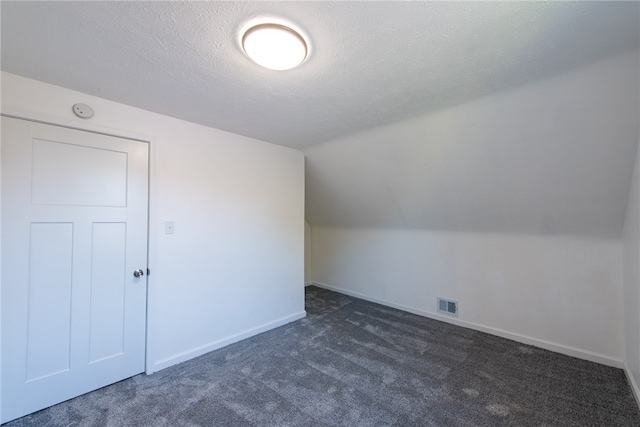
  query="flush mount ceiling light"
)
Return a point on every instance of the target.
[{"x": 274, "y": 46}]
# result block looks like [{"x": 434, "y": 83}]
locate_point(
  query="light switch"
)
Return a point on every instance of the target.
[{"x": 169, "y": 227}]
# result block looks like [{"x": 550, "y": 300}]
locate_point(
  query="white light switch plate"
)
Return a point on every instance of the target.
[{"x": 169, "y": 227}]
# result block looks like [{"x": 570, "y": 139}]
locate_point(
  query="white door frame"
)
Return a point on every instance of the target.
[{"x": 8, "y": 111}]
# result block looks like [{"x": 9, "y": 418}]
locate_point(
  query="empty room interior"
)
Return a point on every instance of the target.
[{"x": 320, "y": 213}]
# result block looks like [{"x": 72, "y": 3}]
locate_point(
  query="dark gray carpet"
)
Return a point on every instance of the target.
[{"x": 355, "y": 363}]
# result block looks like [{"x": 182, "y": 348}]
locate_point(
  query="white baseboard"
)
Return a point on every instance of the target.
[
  {"x": 547, "y": 345},
  {"x": 206, "y": 348},
  {"x": 633, "y": 383},
  {"x": 308, "y": 284}
]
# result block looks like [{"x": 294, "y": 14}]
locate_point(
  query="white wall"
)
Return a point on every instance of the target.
[
  {"x": 235, "y": 265},
  {"x": 558, "y": 292},
  {"x": 631, "y": 248},
  {"x": 512, "y": 203}
]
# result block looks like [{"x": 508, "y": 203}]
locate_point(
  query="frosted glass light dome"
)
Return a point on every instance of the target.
[{"x": 274, "y": 46}]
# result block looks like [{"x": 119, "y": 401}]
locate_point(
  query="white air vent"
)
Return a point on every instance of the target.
[{"x": 448, "y": 306}]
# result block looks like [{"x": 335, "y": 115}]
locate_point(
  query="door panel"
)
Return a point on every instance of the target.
[
  {"x": 74, "y": 228},
  {"x": 49, "y": 303},
  {"x": 107, "y": 290},
  {"x": 56, "y": 165}
]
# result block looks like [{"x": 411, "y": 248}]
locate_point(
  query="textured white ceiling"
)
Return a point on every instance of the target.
[{"x": 371, "y": 63}]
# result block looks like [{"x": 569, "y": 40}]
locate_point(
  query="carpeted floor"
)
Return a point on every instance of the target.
[{"x": 355, "y": 363}]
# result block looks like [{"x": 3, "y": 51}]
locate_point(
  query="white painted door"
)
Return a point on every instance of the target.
[{"x": 74, "y": 229}]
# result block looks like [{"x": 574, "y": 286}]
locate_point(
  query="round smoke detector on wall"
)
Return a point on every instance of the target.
[{"x": 83, "y": 111}]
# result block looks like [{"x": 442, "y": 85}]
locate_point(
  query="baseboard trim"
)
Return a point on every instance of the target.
[
  {"x": 632, "y": 382},
  {"x": 547, "y": 345},
  {"x": 206, "y": 348},
  {"x": 308, "y": 284}
]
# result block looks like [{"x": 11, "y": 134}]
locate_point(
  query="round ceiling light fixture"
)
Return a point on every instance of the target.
[{"x": 274, "y": 46}]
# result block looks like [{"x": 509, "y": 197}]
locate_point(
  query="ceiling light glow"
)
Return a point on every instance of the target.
[{"x": 274, "y": 46}]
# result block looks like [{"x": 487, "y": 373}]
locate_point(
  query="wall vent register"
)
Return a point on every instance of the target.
[{"x": 448, "y": 306}]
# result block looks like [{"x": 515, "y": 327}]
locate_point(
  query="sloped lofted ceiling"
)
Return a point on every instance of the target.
[
  {"x": 371, "y": 63},
  {"x": 551, "y": 157}
]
